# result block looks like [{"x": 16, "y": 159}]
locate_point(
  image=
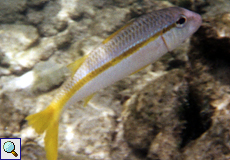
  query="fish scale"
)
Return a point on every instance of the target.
[{"x": 134, "y": 46}]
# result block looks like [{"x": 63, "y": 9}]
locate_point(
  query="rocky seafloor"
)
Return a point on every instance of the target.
[{"x": 175, "y": 109}]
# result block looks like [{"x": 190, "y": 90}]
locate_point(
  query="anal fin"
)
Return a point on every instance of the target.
[
  {"x": 139, "y": 69},
  {"x": 87, "y": 99}
]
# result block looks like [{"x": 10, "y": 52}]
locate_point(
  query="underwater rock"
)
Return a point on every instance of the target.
[
  {"x": 103, "y": 24},
  {"x": 34, "y": 17},
  {"x": 122, "y": 3},
  {"x": 15, "y": 39},
  {"x": 47, "y": 26},
  {"x": 20, "y": 37},
  {"x": 31, "y": 150},
  {"x": 12, "y": 11},
  {"x": 36, "y": 3},
  {"x": 176, "y": 108},
  {"x": 209, "y": 85},
  {"x": 20, "y": 61},
  {"x": 63, "y": 40},
  {"x": 10, "y": 127},
  {"x": 76, "y": 134},
  {"x": 152, "y": 123},
  {"x": 48, "y": 75}
]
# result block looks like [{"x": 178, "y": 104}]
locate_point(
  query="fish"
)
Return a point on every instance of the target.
[{"x": 136, "y": 45}]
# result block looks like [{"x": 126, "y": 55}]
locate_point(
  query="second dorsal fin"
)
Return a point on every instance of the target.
[{"x": 73, "y": 67}]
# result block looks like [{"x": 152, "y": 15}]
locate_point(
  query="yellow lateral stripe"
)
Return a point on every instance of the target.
[
  {"x": 113, "y": 62},
  {"x": 168, "y": 28}
]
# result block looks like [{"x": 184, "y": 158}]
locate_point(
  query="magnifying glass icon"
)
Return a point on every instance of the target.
[{"x": 9, "y": 147}]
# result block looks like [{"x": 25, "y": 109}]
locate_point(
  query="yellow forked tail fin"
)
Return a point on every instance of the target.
[
  {"x": 48, "y": 120},
  {"x": 51, "y": 141},
  {"x": 41, "y": 120}
]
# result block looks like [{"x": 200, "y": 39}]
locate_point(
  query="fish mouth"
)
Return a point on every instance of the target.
[
  {"x": 195, "y": 18},
  {"x": 198, "y": 19}
]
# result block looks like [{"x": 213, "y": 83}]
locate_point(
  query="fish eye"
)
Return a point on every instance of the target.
[{"x": 181, "y": 21}]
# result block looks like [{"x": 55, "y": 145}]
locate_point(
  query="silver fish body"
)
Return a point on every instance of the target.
[
  {"x": 139, "y": 43},
  {"x": 136, "y": 45}
]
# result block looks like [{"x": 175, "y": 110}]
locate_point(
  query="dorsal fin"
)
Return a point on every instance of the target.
[{"x": 73, "y": 67}]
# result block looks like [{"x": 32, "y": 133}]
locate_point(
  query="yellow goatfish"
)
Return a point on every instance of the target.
[{"x": 134, "y": 46}]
